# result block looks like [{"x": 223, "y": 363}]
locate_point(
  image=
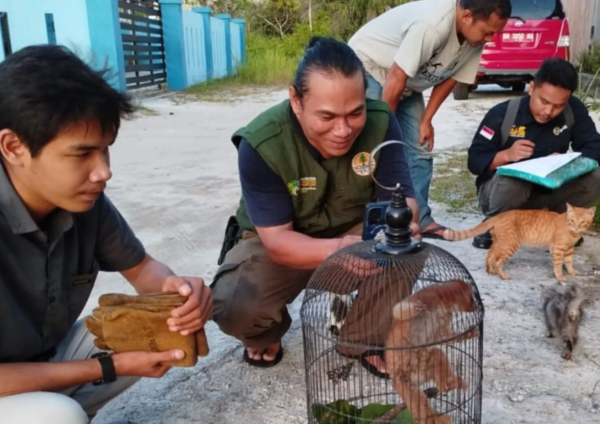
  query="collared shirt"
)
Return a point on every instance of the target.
[
  {"x": 420, "y": 38},
  {"x": 551, "y": 137},
  {"x": 48, "y": 269},
  {"x": 268, "y": 200}
]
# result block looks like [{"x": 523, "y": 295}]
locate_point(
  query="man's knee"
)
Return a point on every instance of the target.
[
  {"x": 582, "y": 192},
  {"x": 237, "y": 303},
  {"x": 47, "y": 408},
  {"x": 591, "y": 183},
  {"x": 504, "y": 194}
]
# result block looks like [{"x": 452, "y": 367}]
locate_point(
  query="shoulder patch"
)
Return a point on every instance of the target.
[{"x": 487, "y": 132}]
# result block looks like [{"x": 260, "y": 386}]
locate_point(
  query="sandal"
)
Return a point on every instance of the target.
[
  {"x": 261, "y": 363},
  {"x": 431, "y": 233},
  {"x": 372, "y": 368}
]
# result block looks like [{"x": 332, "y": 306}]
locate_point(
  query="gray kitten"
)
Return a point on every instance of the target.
[{"x": 563, "y": 313}]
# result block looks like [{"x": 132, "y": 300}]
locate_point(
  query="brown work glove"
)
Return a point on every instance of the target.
[{"x": 124, "y": 323}]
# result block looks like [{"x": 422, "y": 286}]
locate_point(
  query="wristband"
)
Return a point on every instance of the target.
[{"x": 108, "y": 368}]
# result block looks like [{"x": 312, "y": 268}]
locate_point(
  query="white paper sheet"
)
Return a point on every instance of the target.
[{"x": 541, "y": 167}]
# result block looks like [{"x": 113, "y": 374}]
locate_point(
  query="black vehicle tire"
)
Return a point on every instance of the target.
[
  {"x": 461, "y": 91},
  {"x": 518, "y": 87}
]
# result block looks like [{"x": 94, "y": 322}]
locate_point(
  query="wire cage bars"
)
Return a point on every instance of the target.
[{"x": 393, "y": 333}]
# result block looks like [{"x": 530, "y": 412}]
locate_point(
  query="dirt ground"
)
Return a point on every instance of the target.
[{"x": 175, "y": 180}]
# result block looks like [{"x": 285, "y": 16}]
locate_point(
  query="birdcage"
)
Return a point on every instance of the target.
[{"x": 393, "y": 333}]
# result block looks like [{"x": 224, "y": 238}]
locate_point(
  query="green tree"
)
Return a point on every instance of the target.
[
  {"x": 363, "y": 159},
  {"x": 237, "y": 8},
  {"x": 349, "y": 15},
  {"x": 276, "y": 17}
]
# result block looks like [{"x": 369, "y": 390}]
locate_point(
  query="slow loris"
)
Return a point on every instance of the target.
[
  {"x": 536, "y": 228},
  {"x": 422, "y": 319}
]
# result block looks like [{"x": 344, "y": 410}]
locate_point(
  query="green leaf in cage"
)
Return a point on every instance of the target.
[
  {"x": 403, "y": 418},
  {"x": 338, "y": 412},
  {"x": 376, "y": 410}
]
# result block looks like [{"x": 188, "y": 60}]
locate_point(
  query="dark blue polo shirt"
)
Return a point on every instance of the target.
[
  {"x": 551, "y": 137},
  {"x": 269, "y": 202},
  {"x": 48, "y": 270}
]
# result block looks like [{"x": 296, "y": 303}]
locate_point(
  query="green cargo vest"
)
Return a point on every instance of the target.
[{"x": 329, "y": 197}]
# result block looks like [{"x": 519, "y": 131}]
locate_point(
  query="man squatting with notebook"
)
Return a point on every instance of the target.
[{"x": 547, "y": 121}]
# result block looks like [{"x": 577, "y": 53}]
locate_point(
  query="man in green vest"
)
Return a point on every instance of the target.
[{"x": 305, "y": 170}]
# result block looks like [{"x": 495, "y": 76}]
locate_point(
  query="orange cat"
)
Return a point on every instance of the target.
[
  {"x": 425, "y": 318},
  {"x": 535, "y": 228}
]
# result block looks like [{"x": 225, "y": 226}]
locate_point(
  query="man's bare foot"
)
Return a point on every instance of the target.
[
  {"x": 377, "y": 362},
  {"x": 267, "y": 354}
]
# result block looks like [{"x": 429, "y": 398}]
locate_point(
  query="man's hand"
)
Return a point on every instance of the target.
[
  {"x": 192, "y": 316},
  {"x": 145, "y": 364},
  {"x": 522, "y": 149},
  {"x": 416, "y": 230},
  {"x": 427, "y": 134},
  {"x": 348, "y": 240}
]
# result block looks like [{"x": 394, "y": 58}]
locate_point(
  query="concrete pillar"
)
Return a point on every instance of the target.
[
  {"x": 106, "y": 40},
  {"x": 172, "y": 20},
  {"x": 206, "y": 13},
  {"x": 226, "y": 17}
]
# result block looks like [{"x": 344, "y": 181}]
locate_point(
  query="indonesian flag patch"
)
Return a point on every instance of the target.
[{"x": 487, "y": 133}]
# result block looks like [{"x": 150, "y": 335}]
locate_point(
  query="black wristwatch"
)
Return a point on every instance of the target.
[{"x": 108, "y": 368}]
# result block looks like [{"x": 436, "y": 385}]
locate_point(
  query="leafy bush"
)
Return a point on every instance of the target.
[{"x": 589, "y": 60}]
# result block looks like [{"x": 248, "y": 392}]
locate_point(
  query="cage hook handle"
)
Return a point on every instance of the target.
[{"x": 381, "y": 146}]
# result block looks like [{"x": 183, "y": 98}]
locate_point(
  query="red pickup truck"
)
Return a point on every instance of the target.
[{"x": 537, "y": 30}]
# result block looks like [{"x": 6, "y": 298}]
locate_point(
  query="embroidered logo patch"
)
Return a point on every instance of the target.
[
  {"x": 518, "y": 132},
  {"x": 82, "y": 281},
  {"x": 360, "y": 164},
  {"x": 293, "y": 187},
  {"x": 558, "y": 131},
  {"x": 487, "y": 132},
  {"x": 308, "y": 184}
]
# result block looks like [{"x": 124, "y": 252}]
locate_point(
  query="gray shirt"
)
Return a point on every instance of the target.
[
  {"x": 47, "y": 271},
  {"x": 421, "y": 38}
]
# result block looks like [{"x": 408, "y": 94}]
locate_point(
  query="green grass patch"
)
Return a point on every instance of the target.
[
  {"x": 268, "y": 69},
  {"x": 452, "y": 184},
  {"x": 597, "y": 217}
]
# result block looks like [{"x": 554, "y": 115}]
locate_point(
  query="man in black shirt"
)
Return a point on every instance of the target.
[
  {"x": 58, "y": 230},
  {"x": 547, "y": 121}
]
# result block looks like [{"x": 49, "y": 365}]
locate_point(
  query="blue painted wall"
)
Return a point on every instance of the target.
[
  {"x": 27, "y": 23},
  {"x": 219, "y": 48},
  {"x": 236, "y": 46},
  {"x": 90, "y": 28},
  {"x": 198, "y": 46},
  {"x": 193, "y": 33}
]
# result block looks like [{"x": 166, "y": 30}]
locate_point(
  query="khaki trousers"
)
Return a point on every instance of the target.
[
  {"x": 251, "y": 294},
  {"x": 74, "y": 405}
]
